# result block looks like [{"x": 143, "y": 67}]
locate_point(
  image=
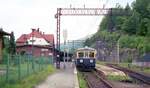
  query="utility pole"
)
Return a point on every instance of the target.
[
  {"x": 118, "y": 56},
  {"x": 32, "y": 47}
]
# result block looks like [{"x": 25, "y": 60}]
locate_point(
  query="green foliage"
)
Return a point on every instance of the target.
[
  {"x": 115, "y": 21},
  {"x": 6, "y": 44},
  {"x": 142, "y": 7},
  {"x": 138, "y": 23},
  {"x": 130, "y": 26},
  {"x": 103, "y": 36}
]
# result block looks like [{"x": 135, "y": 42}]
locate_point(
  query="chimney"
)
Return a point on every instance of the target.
[
  {"x": 38, "y": 29},
  {"x": 33, "y": 30}
]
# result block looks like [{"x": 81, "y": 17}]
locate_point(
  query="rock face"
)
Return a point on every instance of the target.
[
  {"x": 106, "y": 52},
  {"x": 127, "y": 54},
  {"x": 112, "y": 53}
]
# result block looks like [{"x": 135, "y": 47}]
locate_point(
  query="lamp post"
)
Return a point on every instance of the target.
[
  {"x": 98, "y": 50},
  {"x": 64, "y": 53},
  {"x": 67, "y": 50},
  {"x": 65, "y": 38}
]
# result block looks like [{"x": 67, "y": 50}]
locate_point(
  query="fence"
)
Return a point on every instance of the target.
[{"x": 16, "y": 67}]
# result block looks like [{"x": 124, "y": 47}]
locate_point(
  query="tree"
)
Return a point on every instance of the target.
[
  {"x": 12, "y": 47},
  {"x": 131, "y": 25},
  {"x": 128, "y": 9},
  {"x": 143, "y": 8}
]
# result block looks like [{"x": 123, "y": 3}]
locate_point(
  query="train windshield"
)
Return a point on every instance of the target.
[
  {"x": 91, "y": 54},
  {"x": 80, "y": 54}
]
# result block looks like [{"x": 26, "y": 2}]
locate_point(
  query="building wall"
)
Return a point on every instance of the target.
[{"x": 37, "y": 51}]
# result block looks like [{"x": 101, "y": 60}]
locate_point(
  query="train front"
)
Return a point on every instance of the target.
[{"x": 85, "y": 58}]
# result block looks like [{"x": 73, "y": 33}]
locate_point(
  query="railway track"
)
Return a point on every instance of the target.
[
  {"x": 96, "y": 80},
  {"x": 136, "y": 75}
]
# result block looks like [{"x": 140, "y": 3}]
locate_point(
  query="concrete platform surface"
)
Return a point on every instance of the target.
[
  {"x": 109, "y": 71},
  {"x": 63, "y": 78}
]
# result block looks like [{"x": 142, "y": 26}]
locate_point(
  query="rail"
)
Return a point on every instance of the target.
[
  {"x": 97, "y": 80},
  {"x": 136, "y": 75}
]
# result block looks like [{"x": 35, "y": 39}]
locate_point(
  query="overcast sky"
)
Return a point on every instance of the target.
[{"x": 22, "y": 15}]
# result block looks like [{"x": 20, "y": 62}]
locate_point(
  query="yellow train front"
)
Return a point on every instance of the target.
[{"x": 85, "y": 58}]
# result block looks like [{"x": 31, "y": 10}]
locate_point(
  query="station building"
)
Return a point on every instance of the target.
[{"x": 36, "y": 43}]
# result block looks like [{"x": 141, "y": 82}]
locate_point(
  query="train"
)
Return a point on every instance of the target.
[{"x": 85, "y": 58}]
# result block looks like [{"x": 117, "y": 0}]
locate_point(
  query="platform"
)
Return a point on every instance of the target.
[
  {"x": 63, "y": 78},
  {"x": 109, "y": 71}
]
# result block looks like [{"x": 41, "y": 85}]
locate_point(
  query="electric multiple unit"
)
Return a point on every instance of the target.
[{"x": 85, "y": 58}]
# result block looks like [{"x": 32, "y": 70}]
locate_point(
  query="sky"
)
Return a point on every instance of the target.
[{"x": 21, "y": 16}]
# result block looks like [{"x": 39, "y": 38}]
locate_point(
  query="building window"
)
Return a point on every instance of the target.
[
  {"x": 50, "y": 54},
  {"x": 44, "y": 49}
]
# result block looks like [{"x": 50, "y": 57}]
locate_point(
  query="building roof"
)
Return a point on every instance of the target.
[
  {"x": 49, "y": 37},
  {"x": 35, "y": 33},
  {"x": 34, "y": 46}
]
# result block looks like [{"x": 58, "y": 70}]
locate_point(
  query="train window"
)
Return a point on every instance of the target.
[
  {"x": 80, "y": 54},
  {"x": 91, "y": 54}
]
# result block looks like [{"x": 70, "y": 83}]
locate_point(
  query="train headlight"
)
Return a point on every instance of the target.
[
  {"x": 81, "y": 61},
  {"x": 91, "y": 61}
]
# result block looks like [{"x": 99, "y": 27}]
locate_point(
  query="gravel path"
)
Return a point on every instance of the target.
[{"x": 64, "y": 78}]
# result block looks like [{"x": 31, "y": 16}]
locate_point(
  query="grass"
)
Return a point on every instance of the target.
[
  {"x": 115, "y": 77},
  {"x": 2, "y": 66},
  {"x": 32, "y": 80},
  {"x": 82, "y": 81},
  {"x": 101, "y": 62},
  {"x": 135, "y": 68},
  {"x": 118, "y": 78},
  {"x": 14, "y": 71}
]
